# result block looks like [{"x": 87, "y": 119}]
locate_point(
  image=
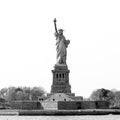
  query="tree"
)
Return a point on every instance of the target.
[
  {"x": 103, "y": 94},
  {"x": 3, "y": 92},
  {"x": 21, "y": 93},
  {"x": 36, "y": 91},
  {"x": 117, "y": 98},
  {"x": 11, "y": 94}
]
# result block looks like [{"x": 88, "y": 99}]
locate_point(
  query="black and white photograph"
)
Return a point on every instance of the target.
[{"x": 59, "y": 59}]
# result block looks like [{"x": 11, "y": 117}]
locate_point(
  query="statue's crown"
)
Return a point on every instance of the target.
[{"x": 60, "y": 30}]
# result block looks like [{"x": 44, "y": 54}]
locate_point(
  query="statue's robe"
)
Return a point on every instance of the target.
[{"x": 61, "y": 44}]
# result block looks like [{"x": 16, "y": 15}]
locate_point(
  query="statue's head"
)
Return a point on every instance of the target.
[{"x": 60, "y": 31}]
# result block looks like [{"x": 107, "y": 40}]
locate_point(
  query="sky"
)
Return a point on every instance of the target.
[{"x": 27, "y": 43}]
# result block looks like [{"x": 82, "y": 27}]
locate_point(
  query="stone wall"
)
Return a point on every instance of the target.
[
  {"x": 2, "y": 100},
  {"x": 88, "y": 105},
  {"x": 75, "y": 105},
  {"x": 71, "y": 105},
  {"x": 59, "y": 105},
  {"x": 102, "y": 105},
  {"x": 26, "y": 105}
]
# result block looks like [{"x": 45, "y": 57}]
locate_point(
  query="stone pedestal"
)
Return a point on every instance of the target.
[{"x": 61, "y": 80}]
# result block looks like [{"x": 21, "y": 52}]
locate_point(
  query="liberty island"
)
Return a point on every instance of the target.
[
  {"x": 60, "y": 100},
  {"x": 60, "y": 96}
]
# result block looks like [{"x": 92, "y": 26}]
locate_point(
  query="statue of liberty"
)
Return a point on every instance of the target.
[{"x": 61, "y": 45}]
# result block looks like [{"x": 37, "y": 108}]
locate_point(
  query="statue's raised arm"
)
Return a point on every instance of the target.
[{"x": 55, "y": 25}]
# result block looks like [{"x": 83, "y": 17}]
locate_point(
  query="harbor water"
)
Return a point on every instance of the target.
[{"x": 87, "y": 117}]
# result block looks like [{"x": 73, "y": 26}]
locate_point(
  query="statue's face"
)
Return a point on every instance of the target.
[{"x": 60, "y": 32}]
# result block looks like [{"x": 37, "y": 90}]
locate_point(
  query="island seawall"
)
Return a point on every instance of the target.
[{"x": 60, "y": 112}]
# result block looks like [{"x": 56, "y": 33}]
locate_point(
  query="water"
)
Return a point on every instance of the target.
[{"x": 87, "y": 117}]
